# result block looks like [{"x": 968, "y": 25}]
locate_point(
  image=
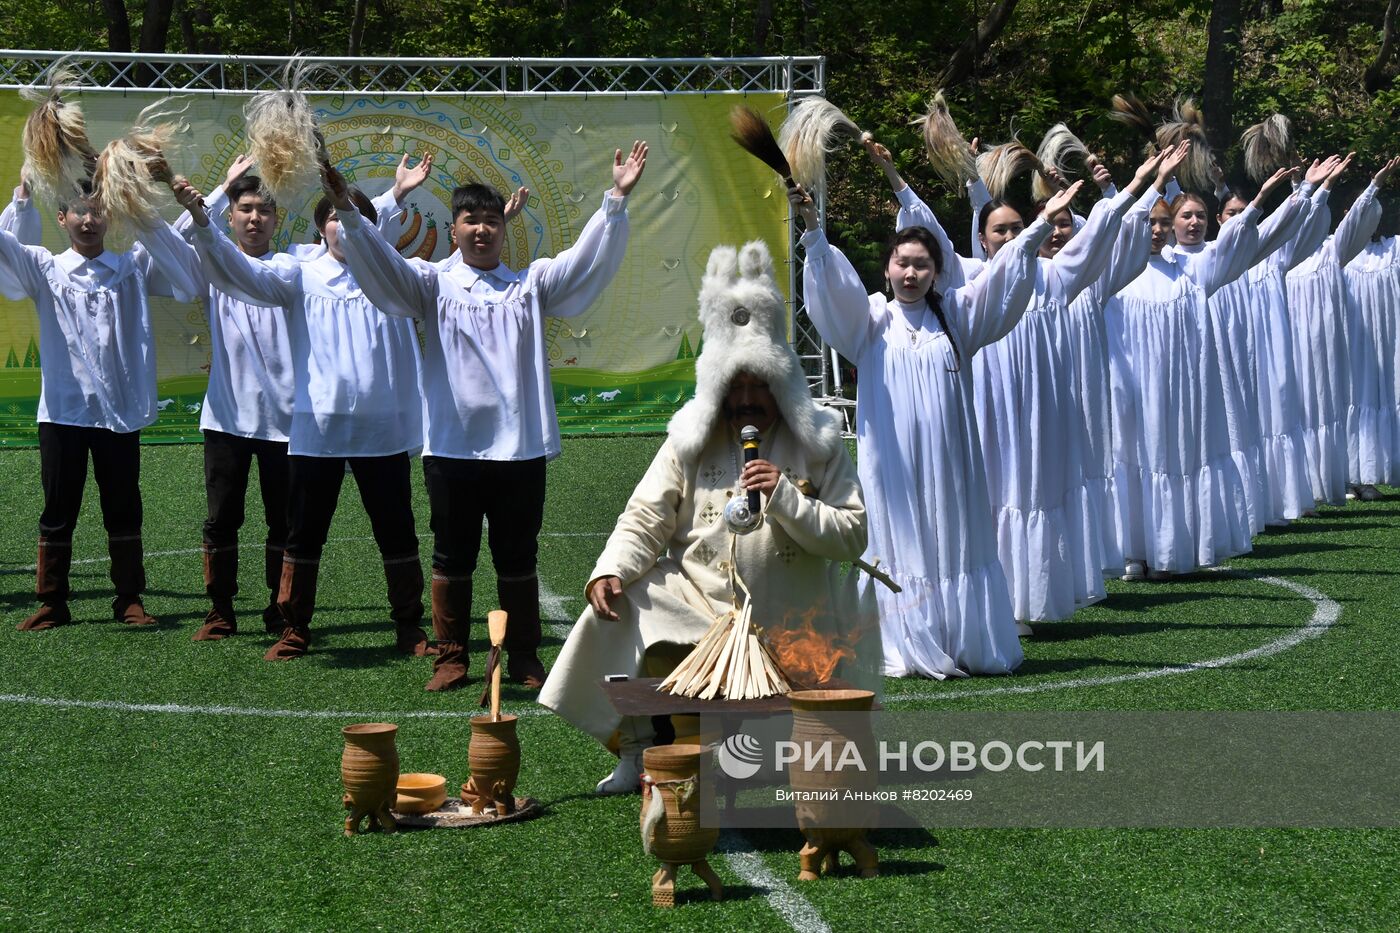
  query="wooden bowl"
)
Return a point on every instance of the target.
[{"x": 421, "y": 793}]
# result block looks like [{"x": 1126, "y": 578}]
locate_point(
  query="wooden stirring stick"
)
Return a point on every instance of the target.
[{"x": 496, "y": 625}]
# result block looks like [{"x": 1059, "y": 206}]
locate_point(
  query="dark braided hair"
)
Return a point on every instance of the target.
[{"x": 928, "y": 241}]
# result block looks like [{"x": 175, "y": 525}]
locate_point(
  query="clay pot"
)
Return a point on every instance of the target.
[
  {"x": 677, "y": 837},
  {"x": 421, "y": 793},
  {"x": 369, "y": 768},
  {"x": 494, "y": 759},
  {"x": 811, "y": 725}
]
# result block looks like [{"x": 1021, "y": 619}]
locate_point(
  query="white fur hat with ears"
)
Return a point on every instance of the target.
[{"x": 745, "y": 319}]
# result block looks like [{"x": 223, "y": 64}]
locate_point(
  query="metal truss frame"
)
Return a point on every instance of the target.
[{"x": 793, "y": 77}]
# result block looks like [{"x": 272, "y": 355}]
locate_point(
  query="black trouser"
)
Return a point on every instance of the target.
[
  {"x": 314, "y": 490},
  {"x": 227, "y": 459},
  {"x": 509, "y": 494},
  {"x": 116, "y": 465}
]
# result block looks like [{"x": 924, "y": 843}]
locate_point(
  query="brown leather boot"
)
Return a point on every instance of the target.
[
  {"x": 296, "y": 600},
  {"x": 221, "y": 585},
  {"x": 272, "y": 575},
  {"x": 452, "y": 608},
  {"x": 521, "y": 601},
  {"x": 129, "y": 577},
  {"x": 404, "y": 576},
  {"x": 50, "y": 586}
]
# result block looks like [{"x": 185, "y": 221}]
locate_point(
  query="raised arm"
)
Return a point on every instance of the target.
[
  {"x": 1085, "y": 258},
  {"x": 215, "y": 206},
  {"x": 987, "y": 308},
  {"x": 571, "y": 281},
  {"x": 216, "y": 202},
  {"x": 170, "y": 264},
  {"x": 388, "y": 204},
  {"x": 1360, "y": 222},
  {"x": 1282, "y": 226},
  {"x": 1132, "y": 242},
  {"x": 1316, "y": 226},
  {"x": 991, "y": 305},
  {"x": 836, "y": 299},
  {"x": 978, "y": 197},
  {"x": 21, "y": 217},
  {"x": 1356, "y": 227},
  {"x": 269, "y": 284},
  {"x": 21, "y": 268},
  {"x": 1133, "y": 246},
  {"x": 913, "y": 212},
  {"x": 1237, "y": 245},
  {"x": 393, "y": 284}
]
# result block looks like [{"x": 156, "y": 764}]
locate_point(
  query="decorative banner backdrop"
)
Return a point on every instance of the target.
[{"x": 624, "y": 365}]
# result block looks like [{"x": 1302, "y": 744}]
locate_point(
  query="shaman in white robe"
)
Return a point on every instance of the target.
[
  {"x": 1089, "y": 339},
  {"x": 671, "y": 550},
  {"x": 1285, "y": 461}
]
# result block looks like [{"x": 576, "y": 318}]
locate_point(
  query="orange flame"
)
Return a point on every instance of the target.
[{"x": 809, "y": 657}]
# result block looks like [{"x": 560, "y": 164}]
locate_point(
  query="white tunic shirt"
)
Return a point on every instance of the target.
[
  {"x": 487, "y": 394},
  {"x": 251, "y": 377},
  {"x": 98, "y": 367},
  {"x": 355, "y": 371}
]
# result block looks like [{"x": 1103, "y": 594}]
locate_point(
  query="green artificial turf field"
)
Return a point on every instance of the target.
[{"x": 155, "y": 783}]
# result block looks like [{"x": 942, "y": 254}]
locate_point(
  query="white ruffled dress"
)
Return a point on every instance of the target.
[
  {"x": 1373, "y": 281},
  {"x": 1317, "y": 300},
  {"x": 1034, "y": 443},
  {"x": 1183, "y": 500},
  {"x": 920, "y": 458}
]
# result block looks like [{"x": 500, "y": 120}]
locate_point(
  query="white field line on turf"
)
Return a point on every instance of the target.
[
  {"x": 553, "y": 605},
  {"x": 1326, "y": 612},
  {"x": 795, "y": 909}
]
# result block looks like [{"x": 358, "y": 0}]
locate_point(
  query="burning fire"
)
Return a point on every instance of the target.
[{"x": 809, "y": 657}]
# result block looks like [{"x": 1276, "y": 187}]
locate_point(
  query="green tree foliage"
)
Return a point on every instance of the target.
[{"x": 1052, "y": 61}]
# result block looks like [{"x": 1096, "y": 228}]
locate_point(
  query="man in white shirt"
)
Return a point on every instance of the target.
[
  {"x": 247, "y": 409},
  {"x": 98, "y": 371},
  {"x": 356, "y": 402},
  {"x": 488, "y": 405}
]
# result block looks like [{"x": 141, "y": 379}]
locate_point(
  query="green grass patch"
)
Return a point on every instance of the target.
[{"x": 160, "y": 820}]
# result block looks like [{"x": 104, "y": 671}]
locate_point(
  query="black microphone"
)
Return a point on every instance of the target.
[{"x": 749, "y": 437}]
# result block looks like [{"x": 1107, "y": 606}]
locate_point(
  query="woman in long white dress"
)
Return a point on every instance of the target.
[
  {"x": 1373, "y": 289},
  {"x": 919, "y": 455},
  {"x": 1286, "y": 237},
  {"x": 1089, "y": 341},
  {"x": 1181, "y": 509},
  {"x": 1035, "y": 402},
  {"x": 1229, "y": 344},
  {"x": 1317, "y": 300},
  {"x": 1034, "y": 442}
]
